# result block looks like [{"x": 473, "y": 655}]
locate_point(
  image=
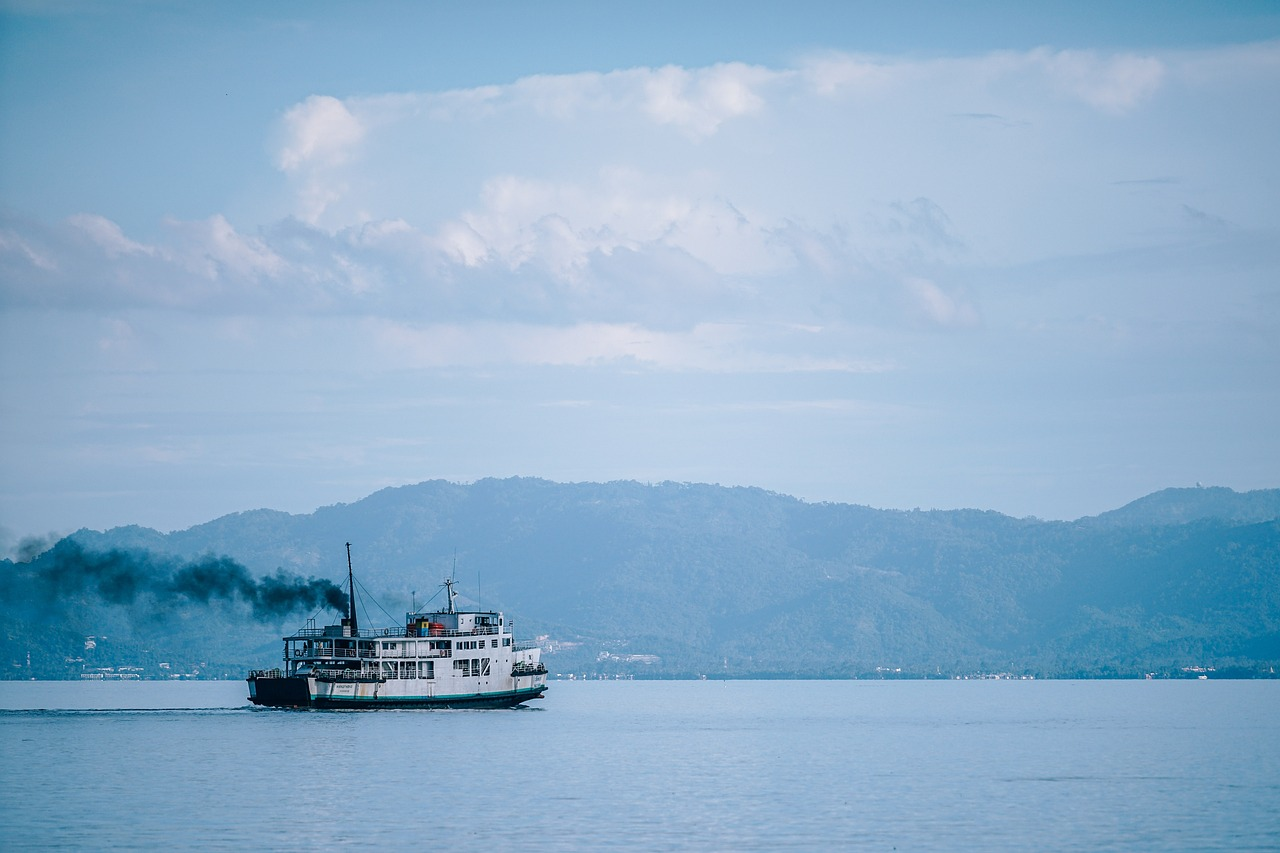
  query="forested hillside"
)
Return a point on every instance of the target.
[{"x": 676, "y": 580}]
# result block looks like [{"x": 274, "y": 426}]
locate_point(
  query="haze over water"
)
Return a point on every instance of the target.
[{"x": 639, "y": 766}]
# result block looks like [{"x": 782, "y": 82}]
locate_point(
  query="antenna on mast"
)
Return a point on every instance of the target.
[{"x": 351, "y": 601}]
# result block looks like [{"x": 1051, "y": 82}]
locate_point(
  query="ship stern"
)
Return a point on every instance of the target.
[{"x": 275, "y": 690}]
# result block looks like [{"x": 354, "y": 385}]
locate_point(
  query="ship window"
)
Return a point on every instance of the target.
[
  {"x": 484, "y": 666},
  {"x": 428, "y": 669},
  {"x": 506, "y": 641}
]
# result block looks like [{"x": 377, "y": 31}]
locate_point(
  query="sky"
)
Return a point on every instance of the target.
[{"x": 927, "y": 255}]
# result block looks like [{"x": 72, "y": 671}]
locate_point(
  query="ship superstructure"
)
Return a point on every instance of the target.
[{"x": 441, "y": 659}]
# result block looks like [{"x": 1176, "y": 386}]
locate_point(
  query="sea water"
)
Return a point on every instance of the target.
[{"x": 650, "y": 765}]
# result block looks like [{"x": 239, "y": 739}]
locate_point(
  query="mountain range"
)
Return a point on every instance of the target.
[{"x": 687, "y": 580}]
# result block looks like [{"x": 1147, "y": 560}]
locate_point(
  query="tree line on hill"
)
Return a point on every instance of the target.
[{"x": 684, "y": 580}]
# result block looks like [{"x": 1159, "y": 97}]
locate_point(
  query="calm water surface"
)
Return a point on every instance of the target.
[{"x": 779, "y": 765}]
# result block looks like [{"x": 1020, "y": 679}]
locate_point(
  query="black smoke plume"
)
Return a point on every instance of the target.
[{"x": 122, "y": 577}]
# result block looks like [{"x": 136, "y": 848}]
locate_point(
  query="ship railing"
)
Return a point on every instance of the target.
[
  {"x": 482, "y": 630},
  {"x": 404, "y": 653},
  {"x": 380, "y": 633},
  {"x": 351, "y": 675},
  {"x": 363, "y": 654},
  {"x": 326, "y": 654},
  {"x": 266, "y": 673},
  {"x": 524, "y": 646},
  {"x": 365, "y": 634}
]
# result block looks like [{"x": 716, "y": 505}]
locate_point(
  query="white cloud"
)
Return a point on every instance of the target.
[
  {"x": 559, "y": 227},
  {"x": 699, "y": 101},
  {"x": 680, "y": 197},
  {"x": 319, "y": 132},
  {"x": 560, "y": 96},
  {"x": 1115, "y": 84},
  {"x": 108, "y": 235},
  {"x": 938, "y": 306},
  {"x": 117, "y": 335},
  {"x": 18, "y": 248},
  {"x": 1112, "y": 83},
  {"x": 320, "y": 135},
  {"x": 832, "y": 74},
  {"x": 525, "y": 175},
  {"x": 215, "y": 250},
  {"x": 708, "y": 347}
]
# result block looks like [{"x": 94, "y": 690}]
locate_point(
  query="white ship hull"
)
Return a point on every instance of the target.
[{"x": 282, "y": 691}]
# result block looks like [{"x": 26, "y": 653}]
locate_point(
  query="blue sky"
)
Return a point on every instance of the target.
[{"x": 902, "y": 256}]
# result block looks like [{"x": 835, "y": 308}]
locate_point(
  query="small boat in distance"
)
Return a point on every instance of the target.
[{"x": 442, "y": 659}]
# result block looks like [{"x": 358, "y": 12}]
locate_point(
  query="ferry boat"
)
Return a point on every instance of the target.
[{"x": 442, "y": 659}]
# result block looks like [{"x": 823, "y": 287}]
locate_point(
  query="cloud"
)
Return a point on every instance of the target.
[
  {"x": 561, "y": 228},
  {"x": 709, "y": 347},
  {"x": 990, "y": 118},
  {"x": 925, "y": 223},
  {"x": 1115, "y": 84},
  {"x": 699, "y": 101},
  {"x": 1146, "y": 181},
  {"x": 18, "y": 250},
  {"x": 320, "y": 135},
  {"x": 833, "y": 74},
  {"x": 319, "y": 132},
  {"x": 1112, "y": 83},
  {"x": 675, "y": 197},
  {"x": 938, "y": 307},
  {"x": 108, "y": 236},
  {"x": 1205, "y": 220},
  {"x": 199, "y": 265},
  {"x": 214, "y": 250}
]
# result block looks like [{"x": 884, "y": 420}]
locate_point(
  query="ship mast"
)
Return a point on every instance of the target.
[
  {"x": 351, "y": 595},
  {"x": 448, "y": 585}
]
